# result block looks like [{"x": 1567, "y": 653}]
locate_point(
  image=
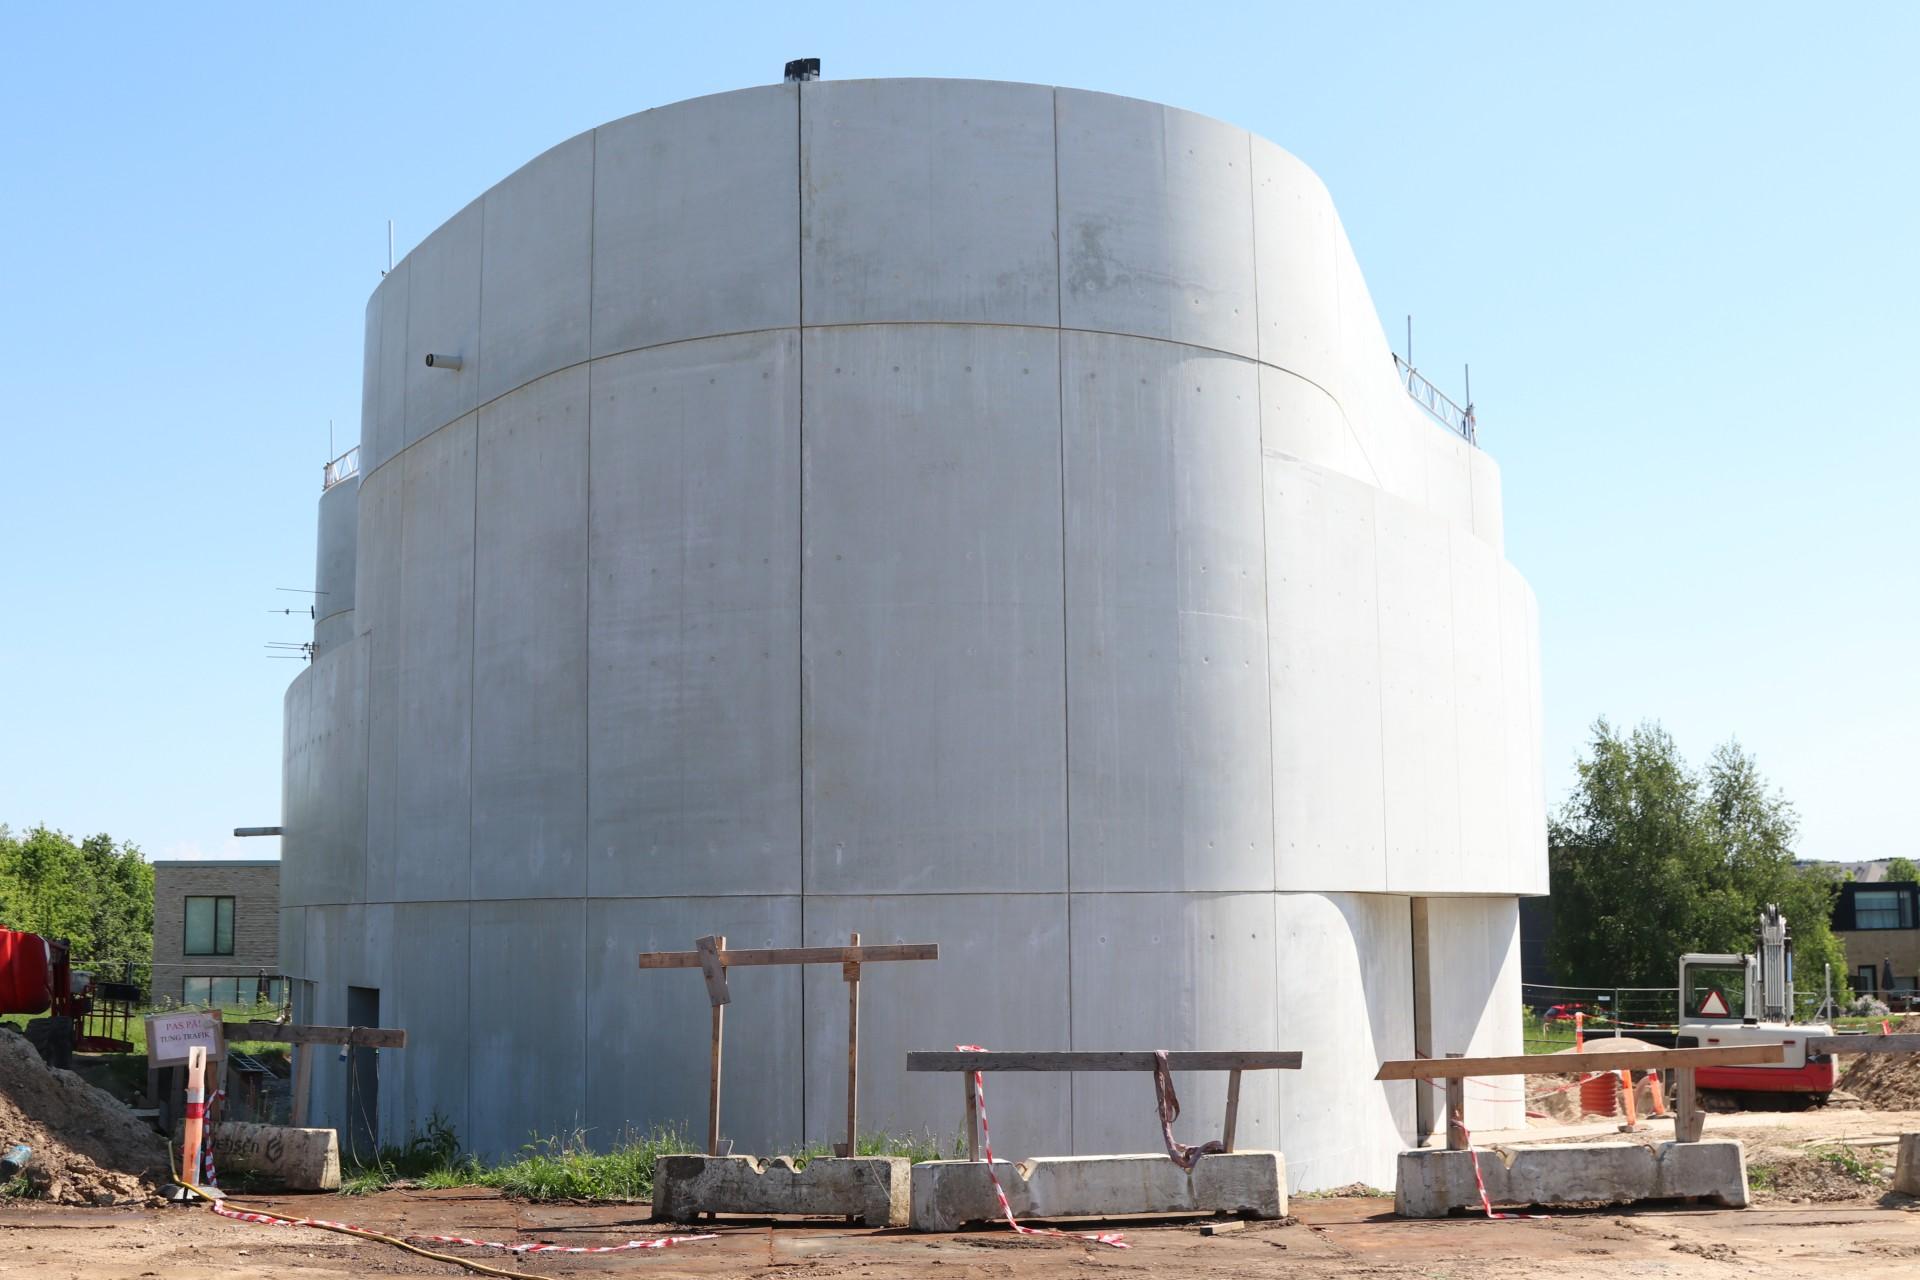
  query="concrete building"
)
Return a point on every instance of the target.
[
  {"x": 954, "y": 511},
  {"x": 216, "y": 932}
]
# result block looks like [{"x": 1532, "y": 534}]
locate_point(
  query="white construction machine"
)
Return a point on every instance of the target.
[{"x": 1732, "y": 1000}]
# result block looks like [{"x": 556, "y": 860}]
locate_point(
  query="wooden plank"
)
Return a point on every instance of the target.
[
  {"x": 302, "y": 1082},
  {"x": 1553, "y": 1064},
  {"x": 1233, "y": 1110},
  {"x": 713, "y": 968},
  {"x": 851, "y": 972},
  {"x": 973, "y": 1118},
  {"x": 1221, "y": 1228},
  {"x": 1903, "y": 1042},
  {"x": 795, "y": 955},
  {"x": 1456, "y": 1112},
  {"x": 1688, "y": 1120},
  {"x": 1102, "y": 1060},
  {"x": 713, "y": 1082},
  {"x": 284, "y": 1033}
]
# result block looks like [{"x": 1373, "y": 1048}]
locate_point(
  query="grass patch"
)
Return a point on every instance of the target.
[
  {"x": 18, "y": 1188},
  {"x": 916, "y": 1148},
  {"x": 1851, "y": 1163},
  {"x": 1761, "y": 1177},
  {"x": 565, "y": 1167}
]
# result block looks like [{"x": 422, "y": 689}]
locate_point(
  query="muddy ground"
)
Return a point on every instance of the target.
[{"x": 1818, "y": 1211}]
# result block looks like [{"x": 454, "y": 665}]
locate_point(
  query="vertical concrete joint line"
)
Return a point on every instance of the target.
[
  {"x": 1066, "y": 648},
  {"x": 800, "y": 517},
  {"x": 1266, "y": 545}
]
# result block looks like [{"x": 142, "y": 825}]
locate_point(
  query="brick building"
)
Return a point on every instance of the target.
[
  {"x": 216, "y": 932},
  {"x": 1879, "y": 925}
]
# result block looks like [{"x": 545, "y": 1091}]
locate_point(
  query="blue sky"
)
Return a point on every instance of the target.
[{"x": 1676, "y": 243}]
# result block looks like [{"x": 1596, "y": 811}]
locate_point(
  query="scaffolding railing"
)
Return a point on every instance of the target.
[
  {"x": 344, "y": 467},
  {"x": 1438, "y": 405}
]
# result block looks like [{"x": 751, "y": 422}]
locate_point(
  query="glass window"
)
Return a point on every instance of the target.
[
  {"x": 209, "y": 927},
  {"x": 1716, "y": 991},
  {"x": 1882, "y": 909},
  {"x": 196, "y": 990}
]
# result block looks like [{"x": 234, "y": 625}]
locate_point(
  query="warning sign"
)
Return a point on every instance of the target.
[
  {"x": 1714, "y": 1006},
  {"x": 170, "y": 1035}
]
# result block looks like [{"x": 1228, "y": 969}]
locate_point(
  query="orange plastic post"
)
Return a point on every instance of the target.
[
  {"x": 1659, "y": 1092},
  {"x": 1579, "y": 1032},
  {"x": 1627, "y": 1101},
  {"x": 196, "y": 1113}
]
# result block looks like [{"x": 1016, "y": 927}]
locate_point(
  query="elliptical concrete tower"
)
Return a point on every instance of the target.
[{"x": 977, "y": 512}]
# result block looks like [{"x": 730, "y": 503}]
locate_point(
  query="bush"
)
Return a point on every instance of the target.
[{"x": 1868, "y": 1007}]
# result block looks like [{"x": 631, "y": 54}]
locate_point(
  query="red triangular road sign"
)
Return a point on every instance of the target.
[{"x": 1714, "y": 1006}]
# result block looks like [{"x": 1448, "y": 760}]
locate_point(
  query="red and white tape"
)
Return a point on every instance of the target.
[
  {"x": 275, "y": 1220},
  {"x": 1481, "y": 1183},
  {"x": 1112, "y": 1238}
]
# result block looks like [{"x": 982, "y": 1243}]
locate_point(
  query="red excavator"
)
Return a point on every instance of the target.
[{"x": 37, "y": 977}]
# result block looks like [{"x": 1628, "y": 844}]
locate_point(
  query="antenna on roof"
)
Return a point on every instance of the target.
[{"x": 801, "y": 69}]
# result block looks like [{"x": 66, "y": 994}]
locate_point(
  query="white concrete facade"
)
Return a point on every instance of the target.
[{"x": 947, "y": 510}]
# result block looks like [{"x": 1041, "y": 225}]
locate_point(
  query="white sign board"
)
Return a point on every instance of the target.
[{"x": 170, "y": 1035}]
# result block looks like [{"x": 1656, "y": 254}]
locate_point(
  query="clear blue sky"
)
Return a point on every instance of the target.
[{"x": 1675, "y": 242}]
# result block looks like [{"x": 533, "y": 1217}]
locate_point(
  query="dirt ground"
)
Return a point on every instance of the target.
[
  {"x": 1843, "y": 1217},
  {"x": 1346, "y": 1237}
]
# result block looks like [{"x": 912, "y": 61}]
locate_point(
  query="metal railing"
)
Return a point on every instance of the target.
[
  {"x": 1438, "y": 406},
  {"x": 344, "y": 467}
]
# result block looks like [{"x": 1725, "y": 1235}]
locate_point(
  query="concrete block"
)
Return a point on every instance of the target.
[
  {"x": 299, "y": 1159},
  {"x": 1433, "y": 1183},
  {"x": 948, "y": 1193},
  {"x": 870, "y": 1188},
  {"x": 1906, "y": 1165}
]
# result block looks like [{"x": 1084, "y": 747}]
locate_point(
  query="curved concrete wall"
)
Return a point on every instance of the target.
[
  {"x": 335, "y": 556},
  {"x": 945, "y": 510}
]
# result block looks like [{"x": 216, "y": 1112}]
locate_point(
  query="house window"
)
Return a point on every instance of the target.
[
  {"x": 1882, "y": 909},
  {"x": 209, "y": 927},
  {"x": 227, "y": 993},
  {"x": 1869, "y": 979}
]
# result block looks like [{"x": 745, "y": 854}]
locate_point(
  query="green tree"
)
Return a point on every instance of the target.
[
  {"x": 97, "y": 894},
  {"x": 1902, "y": 869},
  {"x": 1651, "y": 858}
]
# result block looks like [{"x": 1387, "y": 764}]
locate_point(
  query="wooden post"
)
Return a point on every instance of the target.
[
  {"x": 851, "y": 972},
  {"x": 1233, "y": 1109},
  {"x": 1688, "y": 1120},
  {"x": 972, "y": 1118},
  {"x": 302, "y": 1082},
  {"x": 1456, "y": 1113},
  {"x": 196, "y": 1115},
  {"x": 716, "y": 975}
]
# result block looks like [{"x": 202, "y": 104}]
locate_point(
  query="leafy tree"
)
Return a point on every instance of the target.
[
  {"x": 1651, "y": 858},
  {"x": 97, "y": 894},
  {"x": 1902, "y": 869}
]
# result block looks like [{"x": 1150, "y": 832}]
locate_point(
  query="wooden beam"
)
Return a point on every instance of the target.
[
  {"x": 1102, "y": 1060},
  {"x": 287, "y": 1033},
  {"x": 795, "y": 955},
  {"x": 1904, "y": 1042},
  {"x": 1554, "y": 1064}
]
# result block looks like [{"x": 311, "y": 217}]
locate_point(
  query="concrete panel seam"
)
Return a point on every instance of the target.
[
  {"x": 800, "y": 508},
  {"x": 884, "y": 324}
]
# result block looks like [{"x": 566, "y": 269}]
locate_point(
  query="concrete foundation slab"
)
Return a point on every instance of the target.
[
  {"x": 950, "y": 1193},
  {"x": 1906, "y": 1165},
  {"x": 870, "y": 1188},
  {"x": 1433, "y": 1183}
]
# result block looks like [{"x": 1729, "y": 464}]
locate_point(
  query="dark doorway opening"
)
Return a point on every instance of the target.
[{"x": 363, "y": 1079}]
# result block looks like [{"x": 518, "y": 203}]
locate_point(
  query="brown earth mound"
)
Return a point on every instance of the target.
[
  {"x": 87, "y": 1147},
  {"x": 1887, "y": 1081}
]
